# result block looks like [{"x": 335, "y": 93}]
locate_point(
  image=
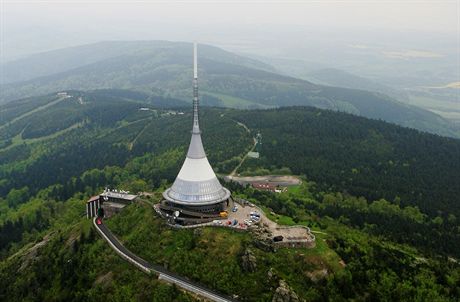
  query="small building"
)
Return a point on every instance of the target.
[
  {"x": 264, "y": 186},
  {"x": 112, "y": 201},
  {"x": 253, "y": 154}
]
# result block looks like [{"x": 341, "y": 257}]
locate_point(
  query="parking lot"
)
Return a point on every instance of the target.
[
  {"x": 289, "y": 233},
  {"x": 242, "y": 213}
]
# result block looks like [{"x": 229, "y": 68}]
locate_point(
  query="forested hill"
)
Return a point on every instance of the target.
[
  {"x": 163, "y": 68},
  {"x": 337, "y": 150},
  {"x": 360, "y": 156},
  {"x": 381, "y": 199},
  {"x": 65, "y": 136}
]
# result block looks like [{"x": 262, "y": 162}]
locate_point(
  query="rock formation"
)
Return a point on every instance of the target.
[{"x": 284, "y": 293}]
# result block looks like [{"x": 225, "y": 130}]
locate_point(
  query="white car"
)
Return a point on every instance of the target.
[{"x": 255, "y": 219}]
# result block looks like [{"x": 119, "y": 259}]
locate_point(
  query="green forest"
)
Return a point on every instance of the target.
[{"x": 382, "y": 200}]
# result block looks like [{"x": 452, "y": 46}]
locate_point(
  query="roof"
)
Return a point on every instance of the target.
[
  {"x": 93, "y": 198},
  {"x": 263, "y": 185},
  {"x": 196, "y": 170},
  {"x": 119, "y": 195},
  {"x": 196, "y": 184},
  {"x": 253, "y": 154}
]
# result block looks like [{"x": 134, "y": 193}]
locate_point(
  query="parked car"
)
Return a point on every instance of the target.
[{"x": 255, "y": 218}]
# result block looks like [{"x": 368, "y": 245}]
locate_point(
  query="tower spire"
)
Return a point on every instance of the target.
[
  {"x": 196, "y": 188},
  {"x": 196, "y": 126}
]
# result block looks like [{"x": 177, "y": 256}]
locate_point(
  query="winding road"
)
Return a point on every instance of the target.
[{"x": 162, "y": 273}]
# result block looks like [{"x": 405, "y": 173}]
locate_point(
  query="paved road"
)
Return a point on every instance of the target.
[{"x": 162, "y": 273}]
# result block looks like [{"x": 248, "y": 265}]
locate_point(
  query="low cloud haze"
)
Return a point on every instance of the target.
[{"x": 33, "y": 26}]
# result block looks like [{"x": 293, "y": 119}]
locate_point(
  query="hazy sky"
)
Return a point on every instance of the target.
[
  {"x": 30, "y": 26},
  {"x": 403, "y": 14}
]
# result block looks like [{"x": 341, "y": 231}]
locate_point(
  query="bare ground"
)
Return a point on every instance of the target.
[{"x": 281, "y": 180}]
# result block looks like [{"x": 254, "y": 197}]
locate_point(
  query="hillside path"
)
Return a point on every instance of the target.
[{"x": 246, "y": 155}]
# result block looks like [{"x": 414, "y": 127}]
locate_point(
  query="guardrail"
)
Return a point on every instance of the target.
[{"x": 119, "y": 252}]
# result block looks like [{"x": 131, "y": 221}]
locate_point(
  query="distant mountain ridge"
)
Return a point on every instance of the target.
[
  {"x": 163, "y": 68},
  {"x": 38, "y": 65},
  {"x": 341, "y": 78}
]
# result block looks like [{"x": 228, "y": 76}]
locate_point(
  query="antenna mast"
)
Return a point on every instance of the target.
[{"x": 196, "y": 126}]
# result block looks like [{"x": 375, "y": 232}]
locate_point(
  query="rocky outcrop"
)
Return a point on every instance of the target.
[
  {"x": 271, "y": 274},
  {"x": 264, "y": 244},
  {"x": 249, "y": 261},
  {"x": 32, "y": 253},
  {"x": 284, "y": 293},
  {"x": 263, "y": 239}
]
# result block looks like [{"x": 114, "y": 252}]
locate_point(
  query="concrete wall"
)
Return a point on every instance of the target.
[
  {"x": 305, "y": 244},
  {"x": 91, "y": 208}
]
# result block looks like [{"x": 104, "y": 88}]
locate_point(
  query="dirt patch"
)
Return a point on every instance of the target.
[
  {"x": 105, "y": 279},
  {"x": 278, "y": 180},
  {"x": 31, "y": 253},
  {"x": 74, "y": 236}
]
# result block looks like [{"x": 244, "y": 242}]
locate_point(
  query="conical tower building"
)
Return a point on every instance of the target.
[{"x": 196, "y": 188}]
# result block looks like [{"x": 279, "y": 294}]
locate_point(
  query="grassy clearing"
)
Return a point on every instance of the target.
[
  {"x": 294, "y": 189},
  {"x": 234, "y": 102},
  {"x": 18, "y": 139},
  {"x": 278, "y": 218},
  {"x": 33, "y": 111}
]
